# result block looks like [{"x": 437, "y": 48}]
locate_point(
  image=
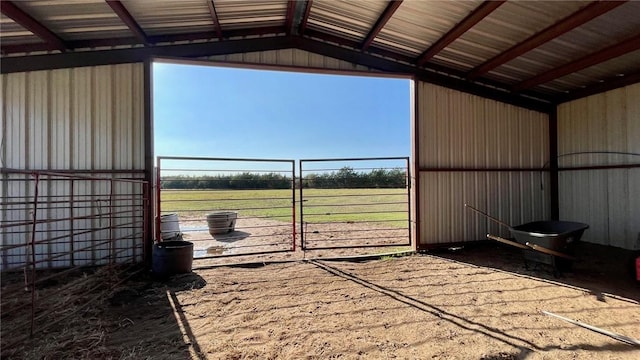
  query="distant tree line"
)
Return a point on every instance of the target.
[
  {"x": 349, "y": 178},
  {"x": 244, "y": 180},
  {"x": 346, "y": 177}
]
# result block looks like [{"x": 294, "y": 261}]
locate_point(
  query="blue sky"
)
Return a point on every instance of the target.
[{"x": 240, "y": 113}]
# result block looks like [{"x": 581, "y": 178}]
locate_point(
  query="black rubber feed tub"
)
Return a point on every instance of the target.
[{"x": 172, "y": 257}]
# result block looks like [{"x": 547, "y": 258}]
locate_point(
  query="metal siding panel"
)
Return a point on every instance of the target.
[
  {"x": 60, "y": 129},
  {"x": 137, "y": 116},
  {"x": 85, "y": 118},
  {"x": 13, "y": 154},
  {"x": 102, "y": 117},
  {"x": 14, "y": 98},
  {"x": 37, "y": 155},
  {"x": 81, "y": 118},
  {"x": 607, "y": 200},
  {"x": 290, "y": 57},
  {"x": 466, "y": 131}
]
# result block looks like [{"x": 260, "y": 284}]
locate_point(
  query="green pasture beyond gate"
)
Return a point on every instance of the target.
[{"x": 321, "y": 205}]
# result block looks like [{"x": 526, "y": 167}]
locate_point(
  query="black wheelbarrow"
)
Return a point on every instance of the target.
[{"x": 544, "y": 242}]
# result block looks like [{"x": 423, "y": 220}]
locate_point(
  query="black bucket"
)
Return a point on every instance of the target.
[{"x": 172, "y": 257}]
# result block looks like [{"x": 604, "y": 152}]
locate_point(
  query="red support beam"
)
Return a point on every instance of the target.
[
  {"x": 467, "y": 23},
  {"x": 607, "y": 85},
  {"x": 382, "y": 21},
  {"x": 291, "y": 9},
  {"x": 567, "y": 24},
  {"x": 305, "y": 17},
  {"x": 126, "y": 18},
  {"x": 78, "y": 44},
  {"x": 407, "y": 59},
  {"x": 611, "y": 52},
  {"x": 214, "y": 17},
  {"x": 25, "y": 20}
]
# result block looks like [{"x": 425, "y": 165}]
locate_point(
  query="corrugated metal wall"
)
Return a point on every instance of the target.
[
  {"x": 608, "y": 200},
  {"x": 83, "y": 118},
  {"x": 291, "y": 57},
  {"x": 458, "y": 130},
  {"x": 70, "y": 119}
]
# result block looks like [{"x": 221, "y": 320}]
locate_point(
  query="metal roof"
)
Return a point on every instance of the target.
[
  {"x": 540, "y": 49},
  {"x": 350, "y": 19}
]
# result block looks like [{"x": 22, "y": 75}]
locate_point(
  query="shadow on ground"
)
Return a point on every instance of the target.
[
  {"x": 146, "y": 315},
  {"x": 601, "y": 269}
]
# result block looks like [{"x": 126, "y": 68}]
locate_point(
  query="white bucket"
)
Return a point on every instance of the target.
[{"x": 169, "y": 226}]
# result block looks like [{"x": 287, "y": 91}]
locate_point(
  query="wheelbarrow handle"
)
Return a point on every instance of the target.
[
  {"x": 549, "y": 251},
  {"x": 498, "y": 221},
  {"x": 508, "y": 242}
]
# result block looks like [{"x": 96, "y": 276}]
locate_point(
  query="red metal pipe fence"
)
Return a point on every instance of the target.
[
  {"x": 355, "y": 203},
  {"x": 54, "y": 224},
  {"x": 258, "y": 193}
]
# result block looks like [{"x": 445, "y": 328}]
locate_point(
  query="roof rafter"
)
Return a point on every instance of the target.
[
  {"x": 214, "y": 18},
  {"x": 305, "y": 17},
  {"x": 291, "y": 9},
  {"x": 25, "y": 20},
  {"x": 382, "y": 21},
  {"x": 93, "y": 43},
  {"x": 467, "y": 23},
  {"x": 376, "y": 62},
  {"x": 296, "y": 10},
  {"x": 456, "y": 75},
  {"x": 126, "y": 18},
  {"x": 607, "y": 85},
  {"x": 611, "y": 52},
  {"x": 567, "y": 24},
  {"x": 13, "y": 64}
]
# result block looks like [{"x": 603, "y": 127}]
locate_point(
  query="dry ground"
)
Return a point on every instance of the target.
[
  {"x": 414, "y": 307},
  {"x": 253, "y": 236}
]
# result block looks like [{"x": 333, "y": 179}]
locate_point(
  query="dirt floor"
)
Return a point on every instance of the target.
[
  {"x": 273, "y": 240},
  {"x": 471, "y": 303}
]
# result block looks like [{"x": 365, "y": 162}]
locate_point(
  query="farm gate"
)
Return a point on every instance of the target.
[
  {"x": 236, "y": 207},
  {"x": 355, "y": 203},
  {"x": 227, "y": 207}
]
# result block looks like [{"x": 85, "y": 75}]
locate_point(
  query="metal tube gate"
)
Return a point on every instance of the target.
[
  {"x": 355, "y": 203},
  {"x": 227, "y": 207}
]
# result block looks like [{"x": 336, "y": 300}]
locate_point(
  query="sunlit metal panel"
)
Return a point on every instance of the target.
[{"x": 462, "y": 131}]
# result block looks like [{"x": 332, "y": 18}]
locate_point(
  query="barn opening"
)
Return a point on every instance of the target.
[
  {"x": 292, "y": 161},
  {"x": 527, "y": 111}
]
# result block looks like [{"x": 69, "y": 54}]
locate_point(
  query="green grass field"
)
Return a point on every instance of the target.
[{"x": 320, "y": 205}]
